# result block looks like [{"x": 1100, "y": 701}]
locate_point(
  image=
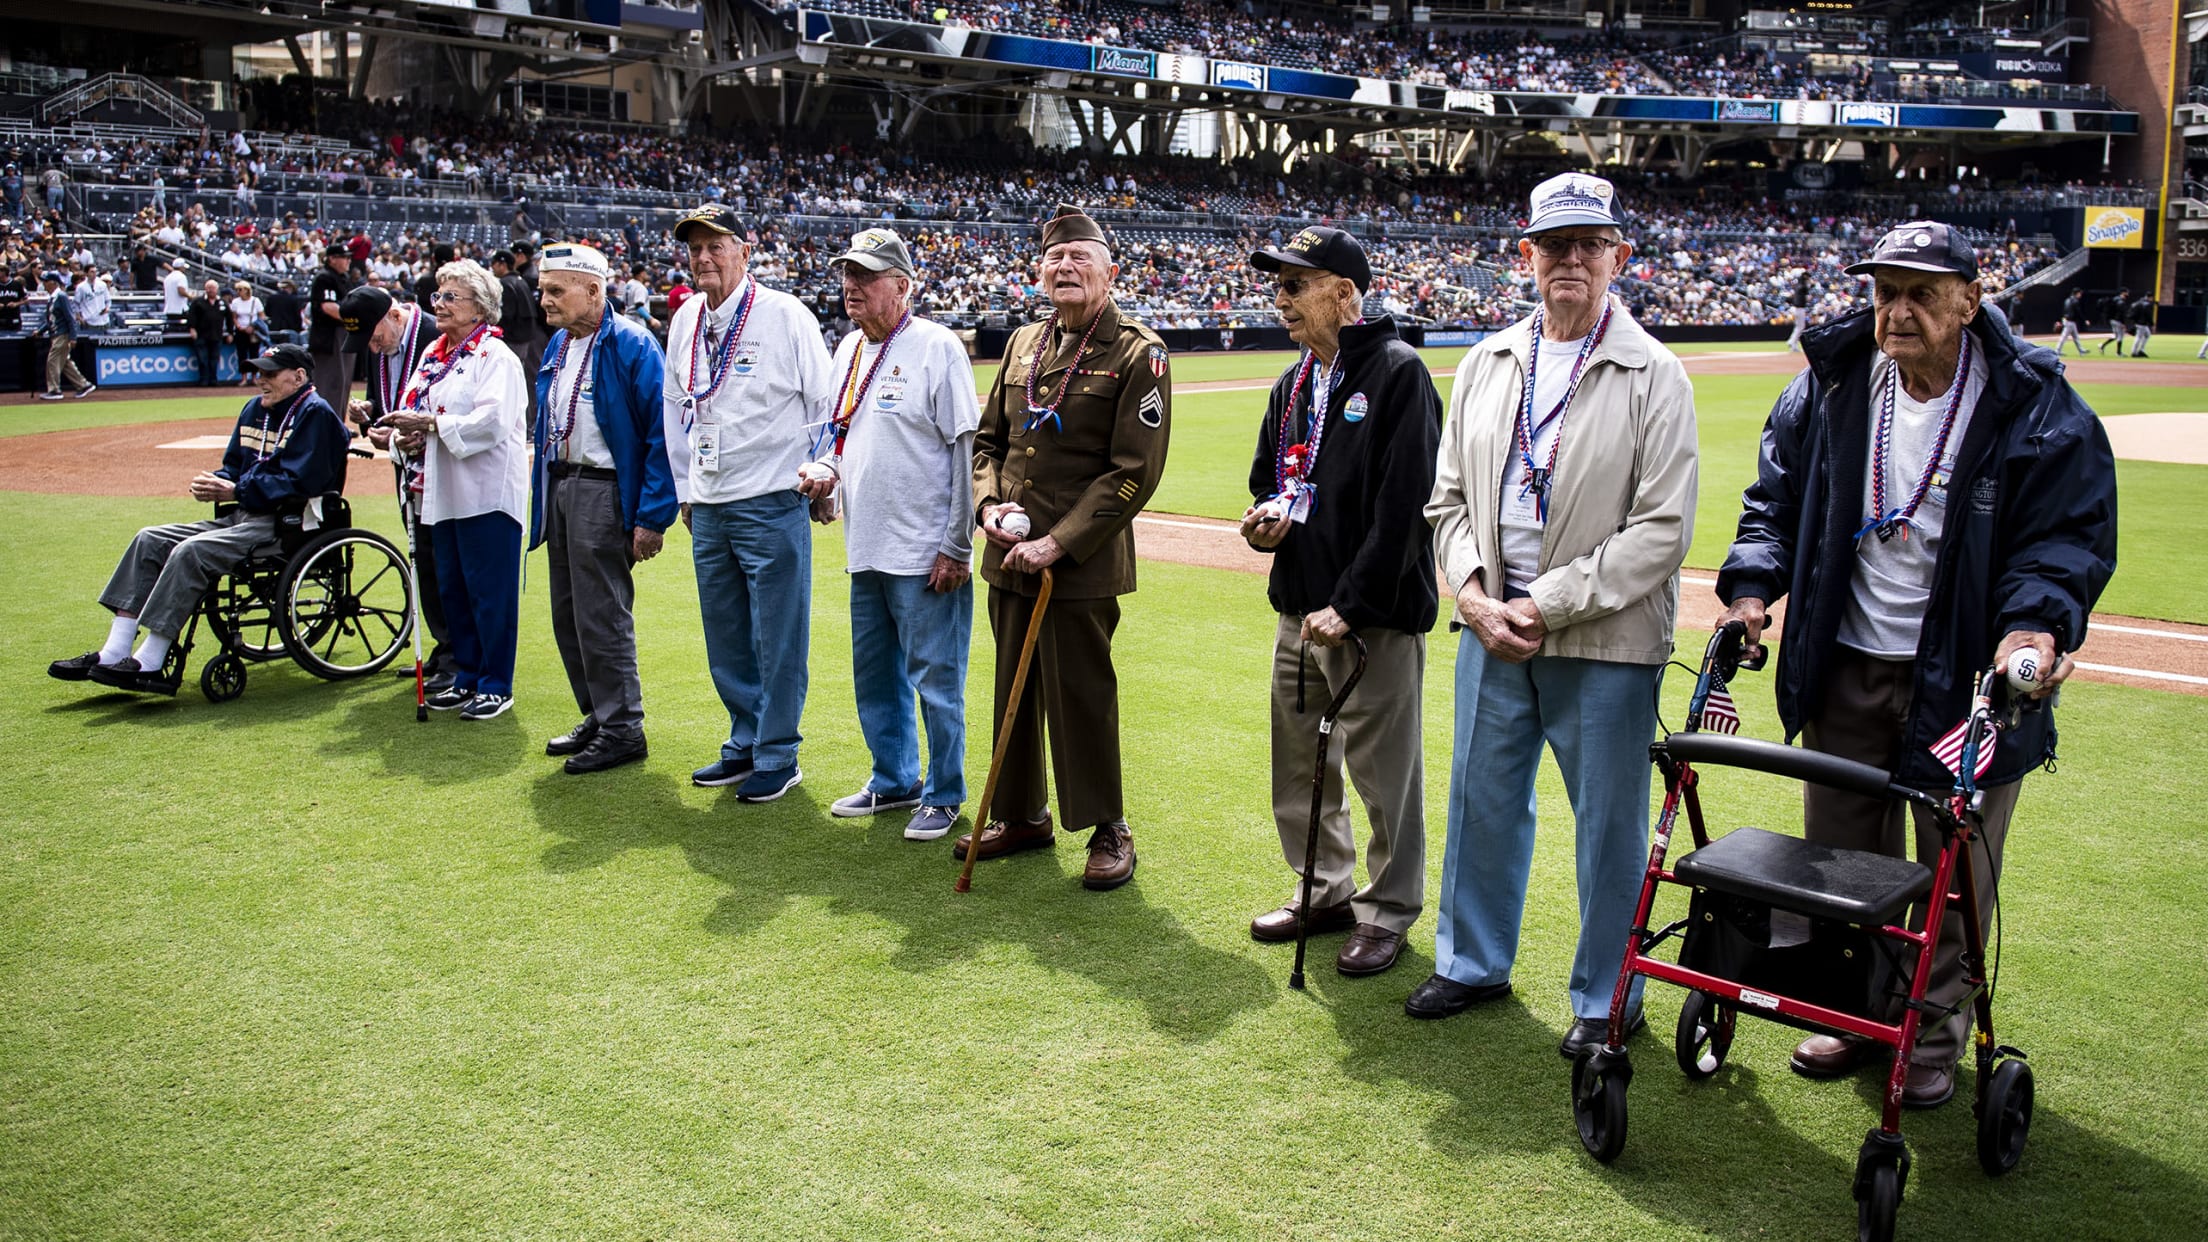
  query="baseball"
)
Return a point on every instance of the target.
[
  {"x": 1015, "y": 524},
  {"x": 1272, "y": 510},
  {"x": 816, "y": 472},
  {"x": 2024, "y": 671}
]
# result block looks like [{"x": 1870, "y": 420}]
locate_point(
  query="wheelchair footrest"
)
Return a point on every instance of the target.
[{"x": 1788, "y": 873}]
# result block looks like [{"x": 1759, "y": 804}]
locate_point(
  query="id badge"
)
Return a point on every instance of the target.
[
  {"x": 1521, "y": 508},
  {"x": 1299, "y": 509},
  {"x": 705, "y": 440}
]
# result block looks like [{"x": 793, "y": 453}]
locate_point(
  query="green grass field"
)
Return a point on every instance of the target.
[{"x": 298, "y": 967}]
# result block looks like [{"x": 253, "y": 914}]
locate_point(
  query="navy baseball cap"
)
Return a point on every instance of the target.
[
  {"x": 1321, "y": 249},
  {"x": 1921, "y": 246}
]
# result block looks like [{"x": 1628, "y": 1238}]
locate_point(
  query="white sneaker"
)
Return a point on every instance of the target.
[
  {"x": 930, "y": 823},
  {"x": 486, "y": 706}
]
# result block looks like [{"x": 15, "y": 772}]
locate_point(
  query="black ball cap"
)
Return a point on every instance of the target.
[
  {"x": 337, "y": 250},
  {"x": 1921, "y": 246},
  {"x": 283, "y": 358},
  {"x": 360, "y": 312},
  {"x": 1321, "y": 249}
]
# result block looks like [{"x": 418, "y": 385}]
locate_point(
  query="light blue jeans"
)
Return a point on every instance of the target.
[
  {"x": 1599, "y": 717},
  {"x": 905, "y": 639},
  {"x": 754, "y": 562}
]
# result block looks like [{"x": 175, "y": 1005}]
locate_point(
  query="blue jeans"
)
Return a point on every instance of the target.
[
  {"x": 1599, "y": 716},
  {"x": 754, "y": 562},
  {"x": 479, "y": 582},
  {"x": 907, "y": 638}
]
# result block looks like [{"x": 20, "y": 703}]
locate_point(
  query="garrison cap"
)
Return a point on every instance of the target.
[{"x": 1069, "y": 223}]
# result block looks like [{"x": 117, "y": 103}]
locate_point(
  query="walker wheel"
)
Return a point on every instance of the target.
[
  {"x": 1598, "y": 1102},
  {"x": 223, "y": 679},
  {"x": 1705, "y": 1035},
  {"x": 2004, "y": 1117},
  {"x": 1878, "y": 1197}
]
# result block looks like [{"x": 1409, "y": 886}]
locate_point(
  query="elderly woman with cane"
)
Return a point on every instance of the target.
[{"x": 465, "y": 414}]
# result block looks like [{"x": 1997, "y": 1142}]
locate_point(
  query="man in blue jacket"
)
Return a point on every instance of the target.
[
  {"x": 287, "y": 451},
  {"x": 1935, "y": 499},
  {"x": 604, "y": 493}
]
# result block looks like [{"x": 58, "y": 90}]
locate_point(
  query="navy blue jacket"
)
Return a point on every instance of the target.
[
  {"x": 61, "y": 316},
  {"x": 2030, "y": 538},
  {"x": 279, "y": 468},
  {"x": 625, "y": 380}
]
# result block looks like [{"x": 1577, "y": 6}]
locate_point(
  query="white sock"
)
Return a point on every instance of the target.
[
  {"x": 151, "y": 652},
  {"x": 119, "y": 634}
]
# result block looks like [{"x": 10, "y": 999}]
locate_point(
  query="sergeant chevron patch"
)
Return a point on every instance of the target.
[{"x": 1151, "y": 410}]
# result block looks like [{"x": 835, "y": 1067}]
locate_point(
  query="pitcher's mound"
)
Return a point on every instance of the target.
[{"x": 2160, "y": 437}]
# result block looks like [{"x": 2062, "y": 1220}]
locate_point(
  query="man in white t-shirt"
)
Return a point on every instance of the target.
[
  {"x": 176, "y": 293},
  {"x": 898, "y": 457},
  {"x": 747, "y": 376}
]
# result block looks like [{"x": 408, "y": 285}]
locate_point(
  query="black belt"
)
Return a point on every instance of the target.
[{"x": 568, "y": 469}]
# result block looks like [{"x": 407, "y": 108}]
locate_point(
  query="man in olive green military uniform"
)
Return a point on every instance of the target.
[{"x": 1072, "y": 444}]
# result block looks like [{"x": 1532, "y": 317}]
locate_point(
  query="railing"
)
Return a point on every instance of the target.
[
  {"x": 95, "y": 91},
  {"x": 2054, "y": 273}
]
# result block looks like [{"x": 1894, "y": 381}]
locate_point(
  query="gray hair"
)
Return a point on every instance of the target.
[{"x": 477, "y": 280}]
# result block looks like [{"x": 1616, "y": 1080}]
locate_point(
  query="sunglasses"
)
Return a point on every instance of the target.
[
  {"x": 1294, "y": 286},
  {"x": 446, "y": 297},
  {"x": 1586, "y": 248}
]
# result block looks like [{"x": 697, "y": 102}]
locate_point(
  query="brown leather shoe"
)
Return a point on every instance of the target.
[
  {"x": 1274, "y": 926},
  {"x": 1369, "y": 950},
  {"x": 999, "y": 838},
  {"x": 1831, "y": 1056},
  {"x": 1111, "y": 857},
  {"x": 1928, "y": 1086}
]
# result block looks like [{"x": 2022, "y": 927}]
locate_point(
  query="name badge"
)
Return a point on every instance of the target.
[
  {"x": 747, "y": 358},
  {"x": 1521, "y": 508},
  {"x": 892, "y": 393},
  {"x": 1299, "y": 509},
  {"x": 705, "y": 443}
]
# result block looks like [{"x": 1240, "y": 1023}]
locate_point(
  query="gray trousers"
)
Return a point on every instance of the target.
[
  {"x": 592, "y": 597},
  {"x": 333, "y": 377},
  {"x": 1866, "y": 706},
  {"x": 1381, "y": 736},
  {"x": 168, "y": 569}
]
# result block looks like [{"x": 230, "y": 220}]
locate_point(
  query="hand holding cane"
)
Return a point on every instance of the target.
[
  {"x": 413, "y": 561},
  {"x": 1004, "y": 733},
  {"x": 1318, "y": 802}
]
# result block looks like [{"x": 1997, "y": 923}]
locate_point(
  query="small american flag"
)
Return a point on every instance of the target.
[
  {"x": 1718, "y": 713},
  {"x": 1949, "y": 750}
]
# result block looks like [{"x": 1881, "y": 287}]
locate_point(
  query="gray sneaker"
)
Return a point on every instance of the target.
[
  {"x": 867, "y": 802},
  {"x": 929, "y": 823}
]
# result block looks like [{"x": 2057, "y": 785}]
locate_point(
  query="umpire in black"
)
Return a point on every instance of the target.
[
  {"x": 326, "y": 340},
  {"x": 1345, "y": 461}
]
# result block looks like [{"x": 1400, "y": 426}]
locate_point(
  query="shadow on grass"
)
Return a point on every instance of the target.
[
  {"x": 276, "y": 692},
  {"x": 773, "y": 855},
  {"x": 379, "y": 721}
]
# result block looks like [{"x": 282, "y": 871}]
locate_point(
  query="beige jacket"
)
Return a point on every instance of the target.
[{"x": 1622, "y": 510}]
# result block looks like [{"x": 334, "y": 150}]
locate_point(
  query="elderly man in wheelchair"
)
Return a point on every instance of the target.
[{"x": 243, "y": 568}]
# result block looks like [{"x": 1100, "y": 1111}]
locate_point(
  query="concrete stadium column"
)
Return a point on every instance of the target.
[{"x": 2132, "y": 53}]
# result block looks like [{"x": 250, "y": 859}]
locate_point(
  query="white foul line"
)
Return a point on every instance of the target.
[
  {"x": 2121, "y": 671},
  {"x": 2139, "y": 629}
]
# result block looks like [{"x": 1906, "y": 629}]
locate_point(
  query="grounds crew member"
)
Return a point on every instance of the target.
[
  {"x": 603, "y": 496},
  {"x": 1345, "y": 460},
  {"x": 333, "y": 366},
  {"x": 394, "y": 335},
  {"x": 1933, "y": 497},
  {"x": 1563, "y": 506},
  {"x": 1073, "y": 439},
  {"x": 747, "y": 374},
  {"x": 287, "y": 449},
  {"x": 898, "y": 455}
]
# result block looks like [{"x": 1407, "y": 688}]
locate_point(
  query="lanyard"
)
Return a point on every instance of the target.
[
  {"x": 1540, "y": 478},
  {"x": 849, "y": 400},
  {"x": 390, "y": 378},
  {"x": 582, "y": 373},
  {"x": 439, "y": 362},
  {"x": 1038, "y": 414},
  {"x": 729, "y": 340},
  {"x": 1293, "y": 463},
  {"x": 1889, "y": 522}
]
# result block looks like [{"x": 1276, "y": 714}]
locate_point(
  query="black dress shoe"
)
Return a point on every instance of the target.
[
  {"x": 606, "y": 751},
  {"x": 1275, "y": 926},
  {"x": 126, "y": 675},
  {"x": 1441, "y": 996},
  {"x": 75, "y": 668},
  {"x": 1589, "y": 1033},
  {"x": 575, "y": 740}
]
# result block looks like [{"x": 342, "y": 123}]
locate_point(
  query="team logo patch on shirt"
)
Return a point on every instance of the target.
[
  {"x": 1151, "y": 410},
  {"x": 1354, "y": 410},
  {"x": 1157, "y": 363}
]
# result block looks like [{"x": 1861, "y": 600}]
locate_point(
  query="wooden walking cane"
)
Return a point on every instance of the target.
[{"x": 1004, "y": 733}]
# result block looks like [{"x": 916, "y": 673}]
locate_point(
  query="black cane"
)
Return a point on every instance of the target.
[{"x": 1318, "y": 802}]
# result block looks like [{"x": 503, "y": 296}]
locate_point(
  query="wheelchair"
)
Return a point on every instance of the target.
[{"x": 336, "y": 599}]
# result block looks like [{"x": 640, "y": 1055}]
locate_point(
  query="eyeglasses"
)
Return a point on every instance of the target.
[
  {"x": 446, "y": 297},
  {"x": 1294, "y": 286},
  {"x": 1587, "y": 248}
]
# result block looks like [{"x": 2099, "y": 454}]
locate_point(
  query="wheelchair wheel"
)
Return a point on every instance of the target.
[
  {"x": 345, "y": 604},
  {"x": 2004, "y": 1117},
  {"x": 1705, "y": 1035},
  {"x": 243, "y": 617},
  {"x": 223, "y": 679},
  {"x": 1598, "y": 1103}
]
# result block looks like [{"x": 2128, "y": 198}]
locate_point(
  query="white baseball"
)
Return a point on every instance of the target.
[
  {"x": 1015, "y": 524},
  {"x": 816, "y": 472},
  {"x": 1272, "y": 510},
  {"x": 2024, "y": 671}
]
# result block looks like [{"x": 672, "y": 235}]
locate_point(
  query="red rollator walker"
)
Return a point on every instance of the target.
[{"x": 1810, "y": 936}]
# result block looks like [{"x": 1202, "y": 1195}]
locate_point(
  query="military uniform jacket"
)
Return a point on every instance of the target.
[{"x": 1081, "y": 481}]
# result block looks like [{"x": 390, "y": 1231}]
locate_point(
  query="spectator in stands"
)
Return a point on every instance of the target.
[
  {"x": 11, "y": 192},
  {"x": 333, "y": 367},
  {"x": 61, "y": 326},
  {"x": 52, "y": 179},
  {"x": 207, "y": 319},
  {"x": 464, "y": 413},
  {"x": 145, "y": 270},
  {"x": 14, "y": 296},
  {"x": 176, "y": 294}
]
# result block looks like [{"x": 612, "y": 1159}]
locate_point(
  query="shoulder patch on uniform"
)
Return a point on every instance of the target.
[
  {"x": 1151, "y": 410},
  {"x": 1158, "y": 358}
]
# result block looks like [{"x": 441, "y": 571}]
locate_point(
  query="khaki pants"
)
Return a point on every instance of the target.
[
  {"x": 1865, "y": 708},
  {"x": 60, "y": 366},
  {"x": 1381, "y": 736}
]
